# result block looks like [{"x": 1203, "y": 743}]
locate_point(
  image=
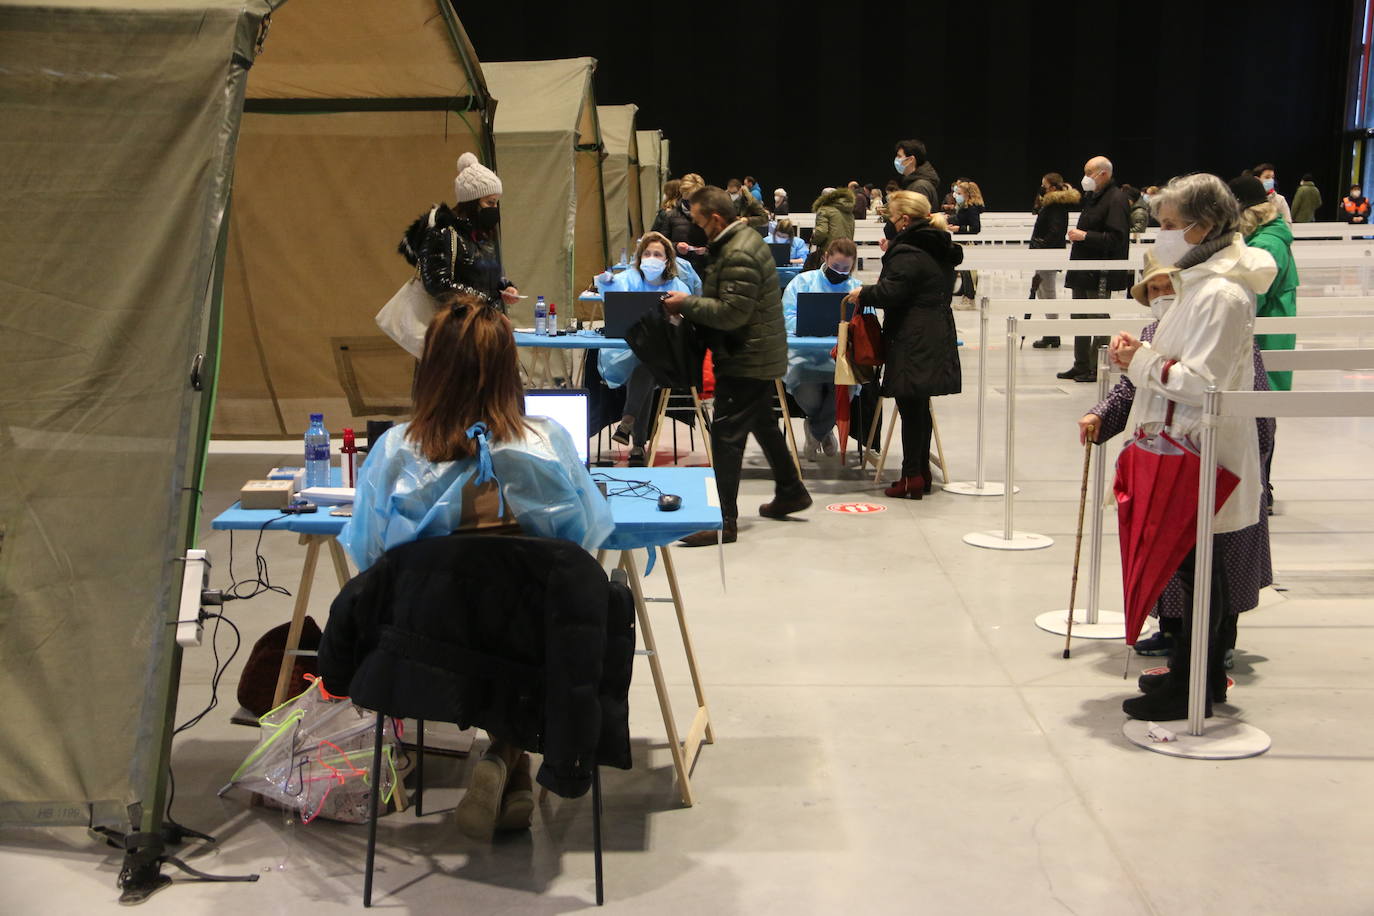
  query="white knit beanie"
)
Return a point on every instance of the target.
[{"x": 474, "y": 180}]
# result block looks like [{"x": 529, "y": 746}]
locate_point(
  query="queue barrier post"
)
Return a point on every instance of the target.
[
  {"x": 1009, "y": 538},
  {"x": 1091, "y": 622},
  {"x": 979, "y": 486}
]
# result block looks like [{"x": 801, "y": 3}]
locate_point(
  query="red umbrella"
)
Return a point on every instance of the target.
[{"x": 1156, "y": 505}]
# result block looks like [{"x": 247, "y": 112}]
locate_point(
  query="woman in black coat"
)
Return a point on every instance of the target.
[{"x": 922, "y": 355}]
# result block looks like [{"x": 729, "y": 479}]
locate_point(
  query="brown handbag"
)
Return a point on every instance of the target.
[{"x": 258, "y": 683}]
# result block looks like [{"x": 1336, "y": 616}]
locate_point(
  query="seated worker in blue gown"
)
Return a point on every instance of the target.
[
  {"x": 785, "y": 233},
  {"x": 810, "y": 377},
  {"x": 470, "y": 460},
  {"x": 655, "y": 268}
]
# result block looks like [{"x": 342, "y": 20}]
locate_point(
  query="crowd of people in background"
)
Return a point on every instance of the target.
[{"x": 1221, "y": 257}]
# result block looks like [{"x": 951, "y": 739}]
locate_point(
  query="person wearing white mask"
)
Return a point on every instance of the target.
[
  {"x": 810, "y": 377},
  {"x": 1205, "y": 337},
  {"x": 1102, "y": 233},
  {"x": 656, "y": 268},
  {"x": 1247, "y": 563},
  {"x": 1265, "y": 173}
]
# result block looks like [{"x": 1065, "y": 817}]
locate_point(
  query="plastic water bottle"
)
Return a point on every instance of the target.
[
  {"x": 317, "y": 453},
  {"x": 551, "y": 323},
  {"x": 541, "y": 317}
]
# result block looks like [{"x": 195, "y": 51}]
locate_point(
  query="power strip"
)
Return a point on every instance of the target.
[{"x": 195, "y": 594}]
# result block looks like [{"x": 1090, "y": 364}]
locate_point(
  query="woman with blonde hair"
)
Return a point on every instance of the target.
[
  {"x": 676, "y": 222},
  {"x": 922, "y": 357},
  {"x": 967, "y": 219}
]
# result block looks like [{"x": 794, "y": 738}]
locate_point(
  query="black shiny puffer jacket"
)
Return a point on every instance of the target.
[{"x": 453, "y": 255}]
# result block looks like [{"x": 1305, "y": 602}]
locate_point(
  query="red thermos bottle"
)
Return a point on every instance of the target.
[{"x": 349, "y": 459}]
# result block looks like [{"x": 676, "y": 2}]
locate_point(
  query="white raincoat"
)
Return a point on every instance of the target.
[{"x": 1210, "y": 332}]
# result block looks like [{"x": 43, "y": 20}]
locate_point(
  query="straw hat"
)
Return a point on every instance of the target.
[{"x": 1152, "y": 269}]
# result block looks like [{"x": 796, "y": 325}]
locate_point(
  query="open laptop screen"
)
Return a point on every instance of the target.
[{"x": 565, "y": 406}]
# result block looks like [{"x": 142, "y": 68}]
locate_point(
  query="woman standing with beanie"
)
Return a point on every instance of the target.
[
  {"x": 455, "y": 249},
  {"x": 922, "y": 355}
]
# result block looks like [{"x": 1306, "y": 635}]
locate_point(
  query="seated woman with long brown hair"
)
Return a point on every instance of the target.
[{"x": 470, "y": 460}]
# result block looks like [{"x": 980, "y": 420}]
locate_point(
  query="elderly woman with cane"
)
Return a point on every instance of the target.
[{"x": 1203, "y": 338}]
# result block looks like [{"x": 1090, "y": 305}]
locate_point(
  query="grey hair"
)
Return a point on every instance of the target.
[{"x": 1200, "y": 197}]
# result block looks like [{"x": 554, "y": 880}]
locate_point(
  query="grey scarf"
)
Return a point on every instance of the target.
[{"x": 1204, "y": 250}]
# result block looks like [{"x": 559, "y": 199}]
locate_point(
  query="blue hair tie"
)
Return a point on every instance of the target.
[{"x": 485, "y": 472}]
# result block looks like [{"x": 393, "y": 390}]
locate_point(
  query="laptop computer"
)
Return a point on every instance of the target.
[
  {"x": 818, "y": 314},
  {"x": 565, "y": 406},
  {"x": 782, "y": 253},
  {"x": 624, "y": 309}
]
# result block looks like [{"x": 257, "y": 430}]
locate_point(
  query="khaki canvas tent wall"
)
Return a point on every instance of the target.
[
  {"x": 548, "y": 146},
  {"x": 663, "y": 167},
  {"x": 650, "y": 178},
  {"x": 620, "y": 169},
  {"x": 356, "y": 115},
  {"x": 120, "y": 122}
]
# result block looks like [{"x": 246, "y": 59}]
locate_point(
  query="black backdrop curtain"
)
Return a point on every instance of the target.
[{"x": 1001, "y": 93}]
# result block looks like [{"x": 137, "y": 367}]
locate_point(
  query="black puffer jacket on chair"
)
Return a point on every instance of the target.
[{"x": 523, "y": 637}]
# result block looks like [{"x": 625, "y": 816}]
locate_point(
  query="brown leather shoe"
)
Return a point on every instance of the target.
[
  {"x": 783, "y": 506},
  {"x": 707, "y": 538}
]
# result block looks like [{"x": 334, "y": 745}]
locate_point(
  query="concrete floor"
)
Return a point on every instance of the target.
[{"x": 894, "y": 735}]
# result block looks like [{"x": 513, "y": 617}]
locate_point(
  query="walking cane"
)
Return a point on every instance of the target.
[{"x": 1089, "y": 436}]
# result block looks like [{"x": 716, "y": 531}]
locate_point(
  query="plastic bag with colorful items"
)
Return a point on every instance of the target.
[{"x": 314, "y": 756}]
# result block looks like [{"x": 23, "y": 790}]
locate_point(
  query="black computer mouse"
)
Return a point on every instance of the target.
[{"x": 669, "y": 502}]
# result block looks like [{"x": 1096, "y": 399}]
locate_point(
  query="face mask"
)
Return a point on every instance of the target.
[
  {"x": 489, "y": 217},
  {"x": 889, "y": 231},
  {"x": 1161, "y": 305},
  {"x": 734, "y": 195},
  {"x": 651, "y": 267},
  {"x": 834, "y": 276},
  {"x": 1356, "y": 193},
  {"x": 1145, "y": 199},
  {"x": 1088, "y": 184},
  {"x": 900, "y": 165},
  {"x": 1268, "y": 183},
  {"x": 958, "y": 198},
  {"x": 1171, "y": 246}
]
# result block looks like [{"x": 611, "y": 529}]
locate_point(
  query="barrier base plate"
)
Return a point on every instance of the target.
[
  {"x": 971, "y": 488},
  {"x": 1222, "y": 738},
  {"x": 1020, "y": 540},
  {"x": 1110, "y": 624}
]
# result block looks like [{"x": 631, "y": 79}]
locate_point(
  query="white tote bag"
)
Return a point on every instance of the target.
[{"x": 406, "y": 315}]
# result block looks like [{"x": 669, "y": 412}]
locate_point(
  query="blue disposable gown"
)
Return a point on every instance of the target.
[
  {"x": 799, "y": 249},
  {"x": 615, "y": 366},
  {"x": 402, "y": 496},
  {"x": 809, "y": 367}
]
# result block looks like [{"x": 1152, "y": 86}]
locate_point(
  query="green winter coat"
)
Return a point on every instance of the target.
[
  {"x": 1281, "y": 299},
  {"x": 741, "y": 297},
  {"x": 1306, "y": 200},
  {"x": 834, "y": 217}
]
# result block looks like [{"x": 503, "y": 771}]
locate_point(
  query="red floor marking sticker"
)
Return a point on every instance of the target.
[{"x": 855, "y": 508}]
